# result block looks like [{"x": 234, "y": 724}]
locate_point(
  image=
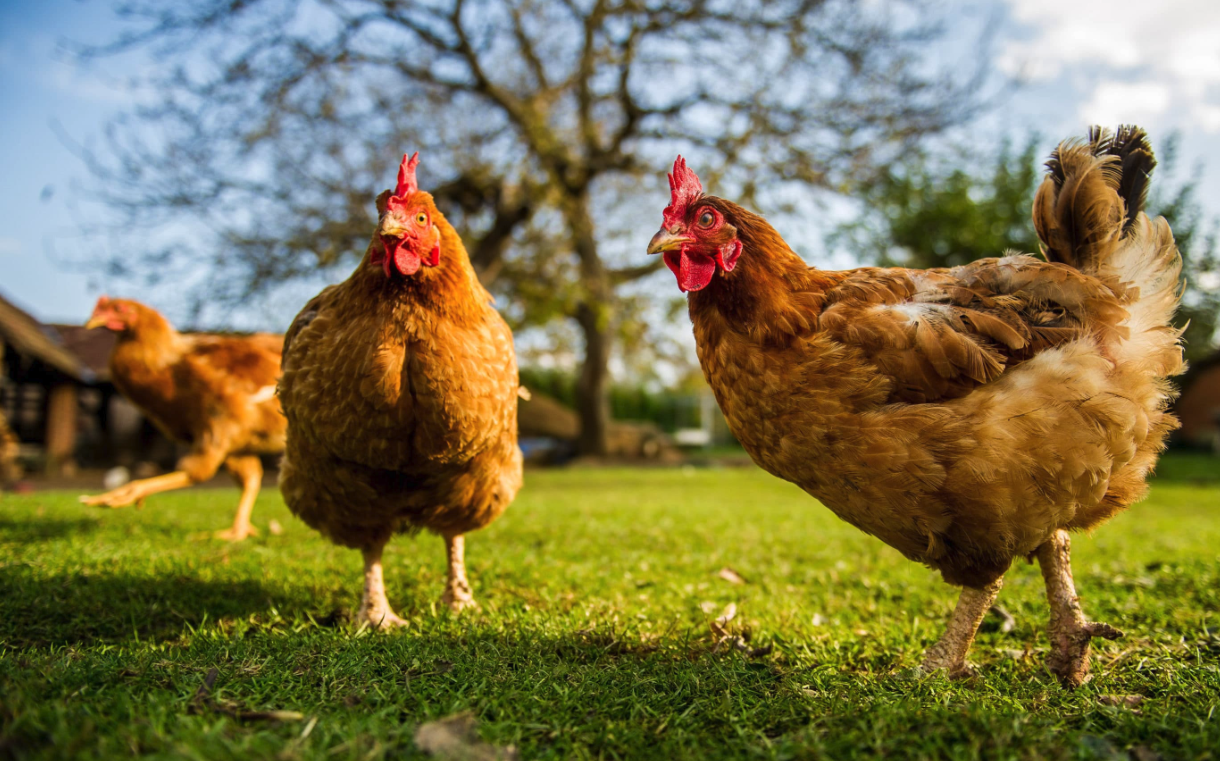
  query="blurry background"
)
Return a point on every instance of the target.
[{"x": 219, "y": 161}]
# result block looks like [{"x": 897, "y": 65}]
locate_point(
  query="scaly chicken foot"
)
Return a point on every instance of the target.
[
  {"x": 375, "y": 607},
  {"x": 136, "y": 491},
  {"x": 458, "y": 595},
  {"x": 1069, "y": 631},
  {"x": 949, "y": 652}
]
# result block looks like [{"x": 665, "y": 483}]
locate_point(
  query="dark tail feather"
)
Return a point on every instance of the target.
[
  {"x": 1092, "y": 196},
  {"x": 1130, "y": 144}
]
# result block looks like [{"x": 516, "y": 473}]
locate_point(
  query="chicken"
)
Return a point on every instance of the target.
[
  {"x": 213, "y": 393},
  {"x": 400, "y": 387},
  {"x": 964, "y": 416}
]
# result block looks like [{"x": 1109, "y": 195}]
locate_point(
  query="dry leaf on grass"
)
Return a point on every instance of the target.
[
  {"x": 722, "y": 635},
  {"x": 1122, "y": 701},
  {"x": 274, "y": 527},
  {"x": 456, "y": 738},
  {"x": 731, "y": 576},
  {"x": 718, "y": 625}
]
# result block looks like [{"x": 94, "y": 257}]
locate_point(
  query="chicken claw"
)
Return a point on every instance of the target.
[
  {"x": 949, "y": 652},
  {"x": 136, "y": 491},
  {"x": 114, "y": 499},
  {"x": 375, "y": 610},
  {"x": 458, "y": 598},
  {"x": 383, "y": 619},
  {"x": 1069, "y": 658},
  {"x": 1069, "y": 631},
  {"x": 234, "y": 534}
]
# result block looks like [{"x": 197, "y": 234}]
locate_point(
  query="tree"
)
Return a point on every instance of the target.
[
  {"x": 934, "y": 212},
  {"x": 544, "y": 127},
  {"x": 931, "y": 211}
]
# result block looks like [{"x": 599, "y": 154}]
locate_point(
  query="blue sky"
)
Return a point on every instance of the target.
[{"x": 1106, "y": 61}]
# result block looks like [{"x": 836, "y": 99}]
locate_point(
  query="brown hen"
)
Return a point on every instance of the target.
[
  {"x": 967, "y": 416},
  {"x": 213, "y": 393},
  {"x": 400, "y": 387}
]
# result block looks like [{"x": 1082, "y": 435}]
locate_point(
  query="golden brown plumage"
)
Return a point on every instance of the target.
[
  {"x": 213, "y": 393},
  {"x": 966, "y": 416},
  {"x": 401, "y": 396}
]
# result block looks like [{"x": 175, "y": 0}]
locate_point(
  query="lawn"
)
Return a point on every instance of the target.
[{"x": 599, "y": 589}]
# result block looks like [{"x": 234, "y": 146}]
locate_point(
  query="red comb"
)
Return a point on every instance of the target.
[
  {"x": 406, "y": 176},
  {"x": 684, "y": 187}
]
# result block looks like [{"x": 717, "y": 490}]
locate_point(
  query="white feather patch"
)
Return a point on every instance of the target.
[{"x": 264, "y": 394}]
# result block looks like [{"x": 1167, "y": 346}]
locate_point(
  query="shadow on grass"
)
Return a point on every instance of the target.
[
  {"x": 26, "y": 530},
  {"x": 76, "y": 607}
]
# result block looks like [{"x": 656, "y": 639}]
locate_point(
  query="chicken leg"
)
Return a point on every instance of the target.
[
  {"x": 375, "y": 607},
  {"x": 249, "y": 474},
  {"x": 136, "y": 491},
  {"x": 949, "y": 652},
  {"x": 1069, "y": 631},
  {"x": 457, "y": 594}
]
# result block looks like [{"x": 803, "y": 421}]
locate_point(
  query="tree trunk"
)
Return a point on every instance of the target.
[
  {"x": 593, "y": 385},
  {"x": 593, "y": 316}
]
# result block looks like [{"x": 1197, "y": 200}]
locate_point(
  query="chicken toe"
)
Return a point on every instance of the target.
[
  {"x": 136, "y": 491},
  {"x": 1069, "y": 631},
  {"x": 949, "y": 652},
  {"x": 236, "y": 533}
]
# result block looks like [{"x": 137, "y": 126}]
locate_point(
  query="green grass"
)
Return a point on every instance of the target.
[{"x": 593, "y": 639}]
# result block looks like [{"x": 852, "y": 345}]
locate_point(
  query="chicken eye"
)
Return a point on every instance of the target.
[
  {"x": 706, "y": 219},
  {"x": 421, "y": 219}
]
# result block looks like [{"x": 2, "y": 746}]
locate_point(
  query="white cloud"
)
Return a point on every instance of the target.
[
  {"x": 1134, "y": 59},
  {"x": 1127, "y": 103}
]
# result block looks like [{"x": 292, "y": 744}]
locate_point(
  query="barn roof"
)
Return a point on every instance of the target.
[
  {"x": 30, "y": 337},
  {"x": 91, "y": 347}
]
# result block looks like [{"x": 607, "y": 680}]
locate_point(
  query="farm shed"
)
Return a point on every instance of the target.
[
  {"x": 41, "y": 383},
  {"x": 1199, "y": 405}
]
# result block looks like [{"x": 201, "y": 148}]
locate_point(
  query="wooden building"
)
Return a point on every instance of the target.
[
  {"x": 56, "y": 395},
  {"x": 41, "y": 385},
  {"x": 1199, "y": 405}
]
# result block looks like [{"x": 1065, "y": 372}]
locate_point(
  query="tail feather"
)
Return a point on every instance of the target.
[
  {"x": 1093, "y": 194},
  {"x": 1089, "y": 215},
  {"x": 1130, "y": 144}
]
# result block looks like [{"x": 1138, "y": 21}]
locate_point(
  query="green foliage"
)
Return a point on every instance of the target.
[
  {"x": 1196, "y": 237},
  {"x": 593, "y": 640},
  {"x": 669, "y": 409},
  {"x": 949, "y": 210},
  {"x": 560, "y": 385},
  {"x": 928, "y": 213}
]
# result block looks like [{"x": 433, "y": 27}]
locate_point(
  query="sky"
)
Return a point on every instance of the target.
[{"x": 1083, "y": 62}]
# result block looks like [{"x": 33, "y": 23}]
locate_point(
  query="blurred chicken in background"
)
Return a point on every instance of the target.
[{"x": 215, "y": 394}]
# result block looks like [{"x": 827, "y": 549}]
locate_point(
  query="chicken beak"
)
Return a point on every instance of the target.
[
  {"x": 665, "y": 240},
  {"x": 96, "y": 321}
]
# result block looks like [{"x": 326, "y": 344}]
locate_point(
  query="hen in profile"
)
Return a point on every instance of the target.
[{"x": 964, "y": 416}]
